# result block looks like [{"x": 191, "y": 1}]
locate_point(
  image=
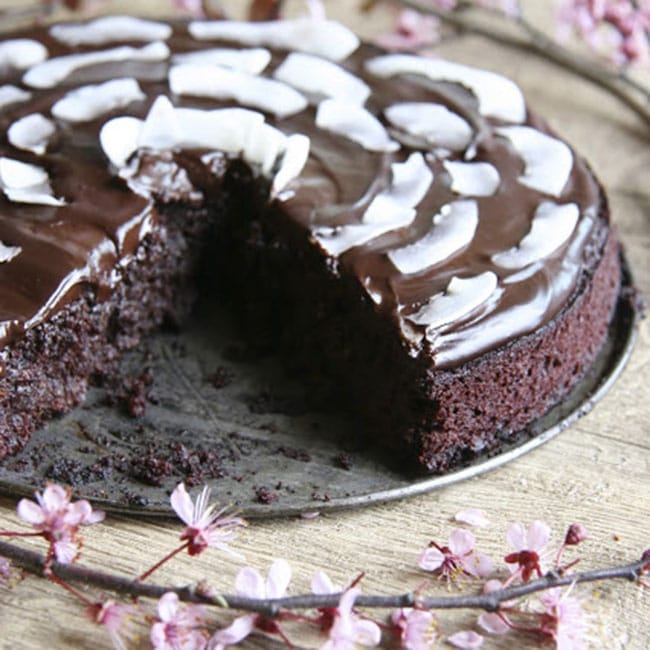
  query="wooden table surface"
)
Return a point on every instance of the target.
[{"x": 597, "y": 472}]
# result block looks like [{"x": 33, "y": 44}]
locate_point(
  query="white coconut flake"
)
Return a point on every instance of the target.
[
  {"x": 89, "y": 102},
  {"x": 439, "y": 126},
  {"x": 12, "y": 95},
  {"x": 21, "y": 53},
  {"x": 293, "y": 161},
  {"x": 551, "y": 227},
  {"x": 253, "y": 60},
  {"x": 7, "y": 253},
  {"x": 231, "y": 130},
  {"x": 25, "y": 183},
  {"x": 453, "y": 229},
  {"x": 52, "y": 72},
  {"x": 31, "y": 133},
  {"x": 317, "y": 76},
  {"x": 473, "y": 178},
  {"x": 222, "y": 83},
  {"x": 390, "y": 210},
  {"x": 548, "y": 161},
  {"x": 355, "y": 123},
  {"x": 111, "y": 29},
  {"x": 497, "y": 95},
  {"x": 325, "y": 38},
  {"x": 461, "y": 297}
]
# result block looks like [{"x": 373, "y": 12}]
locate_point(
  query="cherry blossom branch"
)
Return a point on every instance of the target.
[
  {"x": 35, "y": 563},
  {"x": 629, "y": 92}
]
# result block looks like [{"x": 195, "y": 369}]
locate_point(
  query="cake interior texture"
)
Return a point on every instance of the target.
[{"x": 316, "y": 267}]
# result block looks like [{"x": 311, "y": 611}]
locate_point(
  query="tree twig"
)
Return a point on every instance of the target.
[
  {"x": 633, "y": 95},
  {"x": 34, "y": 562}
]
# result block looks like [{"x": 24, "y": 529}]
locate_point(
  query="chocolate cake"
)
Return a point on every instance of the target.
[{"x": 403, "y": 226}]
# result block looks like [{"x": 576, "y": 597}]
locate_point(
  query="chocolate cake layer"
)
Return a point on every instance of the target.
[{"x": 404, "y": 225}]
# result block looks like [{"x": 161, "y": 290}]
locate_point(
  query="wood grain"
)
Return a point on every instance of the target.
[{"x": 597, "y": 472}]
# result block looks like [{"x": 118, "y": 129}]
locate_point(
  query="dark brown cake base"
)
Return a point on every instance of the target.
[{"x": 323, "y": 323}]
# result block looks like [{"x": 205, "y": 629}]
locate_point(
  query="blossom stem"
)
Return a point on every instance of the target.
[
  {"x": 633, "y": 95},
  {"x": 69, "y": 588},
  {"x": 491, "y": 602},
  {"x": 165, "y": 559}
]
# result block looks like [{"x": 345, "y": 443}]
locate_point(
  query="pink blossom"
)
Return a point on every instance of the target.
[
  {"x": 8, "y": 574},
  {"x": 58, "y": 520},
  {"x": 250, "y": 584},
  {"x": 456, "y": 559},
  {"x": 466, "y": 639},
  {"x": 564, "y": 621},
  {"x": 414, "y": 31},
  {"x": 348, "y": 630},
  {"x": 417, "y": 629},
  {"x": 316, "y": 9},
  {"x": 625, "y": 22},
  {"x": 530, "y": 548},
  {"x": 117, "y": 619},
  {"x": 205, "y": 527},
  {"x": 179, "y": 626}
]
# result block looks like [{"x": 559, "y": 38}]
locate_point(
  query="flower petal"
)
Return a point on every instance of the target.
[
  {"x": 182, "y": 504},
  {"x": 366, "y": 633},
  {"x": 467, "y": 639},
  {"x": 538, "y": 534},
  {"x": 55, "y": 497},
  {"x": 431, "y": 559},
  {"x": 461, "y": 542},
  {"x": 250, "y": 583},
  {"x": 516, "y": 536},
  {"x": 168, "y": 606},
  {"x": 30, "y": 512},
  {"x": 321, "y": 584},
  {"x": 482, "y": 565},
  {"x": 472, "y": 517},
  {"x": 278, "y": 580},
  {"x": 237, "y": 631},
  {"x": 66, "y": 550},
  {"x": 493, "y": 623}
]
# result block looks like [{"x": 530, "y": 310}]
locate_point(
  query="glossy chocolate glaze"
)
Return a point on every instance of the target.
[{"x": 89, "y": 240}]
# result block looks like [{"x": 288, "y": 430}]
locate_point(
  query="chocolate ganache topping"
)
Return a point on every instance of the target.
[{"x": 463, "y": 217}]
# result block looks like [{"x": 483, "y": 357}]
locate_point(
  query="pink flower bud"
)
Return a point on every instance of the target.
[{"x": 577, "y": 533}]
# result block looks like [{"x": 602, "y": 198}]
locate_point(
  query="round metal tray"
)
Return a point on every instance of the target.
[{"x": 240, "y": 425}]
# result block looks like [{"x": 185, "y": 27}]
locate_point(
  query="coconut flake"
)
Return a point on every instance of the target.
[
  {"x": 221, "y": 83},
  {"x": 232, "y": 130},
  {"x": 453, "y": 229},
  {"x": 325, "y": 38},
  {"x": 473, "y": 178},
  {"x": 25, "y": 183},
  {"x": 390, "y": 210},
  {"x": 355, "y": 123},
  {"x": 31, "y": 133},
  {"x": 497, "y": 95},
  {"x": 439, "y": 126},
  {"x": 293, "y": 161},
  {"x": 7, "y": 253},
  {"x": 89, "y": 102},
  {"x": 548, "y": 161},
  {"x": 12, "y": 95},
  {"x": 253, "y": 60},
  {"x": 551, "y": 227},
  {"x": 52, "y": 72},
  {"x": 317, "y": 76},
  {"x": 461, "y": 297},
  {"x": 21, "y": 53},
  {"x": 111, "y": 29}
]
